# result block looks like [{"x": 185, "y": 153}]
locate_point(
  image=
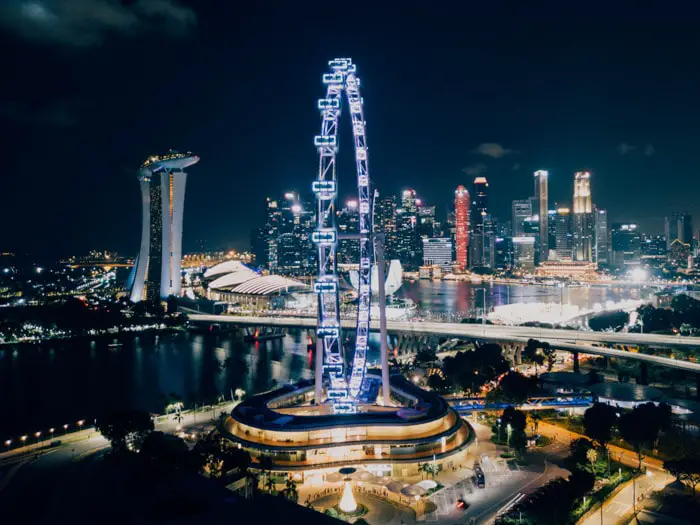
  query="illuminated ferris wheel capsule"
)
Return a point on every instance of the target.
[{"x": 344, "y": 387}]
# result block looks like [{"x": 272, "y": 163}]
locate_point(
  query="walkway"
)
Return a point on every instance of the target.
[{"x": 620, "y": 506}]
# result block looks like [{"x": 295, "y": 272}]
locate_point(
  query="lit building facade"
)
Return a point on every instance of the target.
[
  {"x": 678, "y": 227},
  {"x": 157, "y": 272},
  {"x": 461, "y": 215},
  {"x": 437, "y": 251},
  {"x": 385, "y": 221},
  {"x": 601, "y": 253},
  {"x": 304, "y": 439},
  {"x": 522, "y": 211},
  {"x": 481, "y": 238},
  {"x": 541, "y": 202},
  {"x": 583, "y": 218},
  {"x": 348, "y": 223},
  {"x": 626, "y": 243},
  {"x": 564, "y": 236},
  {"x": 524, "y": 253}
]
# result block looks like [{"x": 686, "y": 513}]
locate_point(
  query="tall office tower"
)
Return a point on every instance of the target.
[
  {"x": 541, "y": 202},
  {"x": 427, "y": 225},
  {"x": 461, "y": 226},
  {"x": 522, "y": 211},
  {"x": 385, "y": 221},
  {"x": 583, "y": 220},
  {"x": 564, "y": 237},
  {"x": 437, "y": 251},
  {"x": 602, "y": 238},
  {"x": 409, "y": 246},
  {"x": 679, "y": 226},
  {"x": 552, "y": 226},
  {"x": 348, "y": 223},
  {"x": 503, "y": 253},
  {"x": 626, "y": 243},
  {"x": 409, "y": 202},
  {"x": 524, "y": 253},
  {"x": 481, "y": 238},
  {"x": 156, "y": 274}
]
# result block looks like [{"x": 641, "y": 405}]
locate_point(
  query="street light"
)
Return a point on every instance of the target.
[
  {"x": 23, "y": 439},
  {"x": 81, "y": 423},
  {"x": 65, "y": 429},
  {"x": 8, "y": 443},
  {"x": 51, "y": 430}
]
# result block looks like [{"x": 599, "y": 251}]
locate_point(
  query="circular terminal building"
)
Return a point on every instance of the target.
[{"x": 302, "y": 437}]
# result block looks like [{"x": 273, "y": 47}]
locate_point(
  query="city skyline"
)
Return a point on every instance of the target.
[{"x": 624, "y": 120}]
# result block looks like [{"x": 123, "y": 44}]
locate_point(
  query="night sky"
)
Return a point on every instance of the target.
[{"x": 90, "y": 88}]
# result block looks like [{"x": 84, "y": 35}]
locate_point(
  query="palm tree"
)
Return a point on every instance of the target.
[
  {"x": 592, "y": 457},
  {"x": 266, "y": 470},
  {"x": 291, "y": 489}
]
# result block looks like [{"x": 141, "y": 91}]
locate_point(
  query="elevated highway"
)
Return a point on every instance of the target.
[{"x": 569, "y": 340}]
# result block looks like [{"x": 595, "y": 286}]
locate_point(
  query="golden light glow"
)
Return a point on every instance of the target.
[{"x": 347, "y": 502}]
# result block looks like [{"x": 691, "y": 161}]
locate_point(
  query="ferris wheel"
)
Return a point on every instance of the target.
[{"x": 343, "y": 387}]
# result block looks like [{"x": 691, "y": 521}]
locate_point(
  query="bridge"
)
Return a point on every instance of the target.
[{"x": 569, "y": 340}]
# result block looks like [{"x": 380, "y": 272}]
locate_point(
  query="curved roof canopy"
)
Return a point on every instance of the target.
[
  {"x": 224, "y": 268},
  {"x": 268, "y": 285}
]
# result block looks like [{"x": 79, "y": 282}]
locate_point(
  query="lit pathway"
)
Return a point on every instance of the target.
[{"x": 621, "y": 505}]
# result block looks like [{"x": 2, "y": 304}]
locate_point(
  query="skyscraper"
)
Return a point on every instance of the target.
[
  {"x": 626, "y": 245},
  {"x": 602, "y": 238},
  {"x": 679, "y": 226},
  {"x": 583, "y": 220},
  {"x": 542, "y": 208},
  {"x": 385, "y": 221},
  {"x": 156, "y": 274},
  {"x": 522, "y": 211},
  {"x": 437, "y": 251},
  {"x": 349, "y": 223},
  {"x": 564, "y": 236},
  {"x": 481, "y": 238},
  {"x": 462, "y": 226}
]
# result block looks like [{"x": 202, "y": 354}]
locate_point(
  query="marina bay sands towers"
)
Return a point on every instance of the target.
[{"x": 156, "y": 274}]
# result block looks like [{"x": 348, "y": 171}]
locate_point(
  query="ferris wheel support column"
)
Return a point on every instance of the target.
[
  {"x": 318, "y": 385},
  {"x": 383, "y": 347}
]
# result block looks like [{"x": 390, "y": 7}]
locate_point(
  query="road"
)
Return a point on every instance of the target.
[
  {"x": 621, "y": 504},
  {"x": 571, "y": 340},
  {"x": 45, "y": 489},
  {"x": 504, "y": 484}
]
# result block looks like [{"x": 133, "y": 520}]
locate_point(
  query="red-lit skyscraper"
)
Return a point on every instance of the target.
[{"x": 461, "y": 226}]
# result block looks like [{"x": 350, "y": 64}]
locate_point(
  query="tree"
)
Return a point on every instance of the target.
[
  {"x": 266, "y": 464},
  {"x": 424, "y": 356},
  {"x": 535, "y": 418},
  {"x": 653, "y": 319},
  {"x": 513, "y": 417},
  {"x": 685, "y": 469},
  {"x": 599, "y": 421},
  {"x": 532, "y": 354},
  {"x": 167, "y": 453},
  {"x": 513, "y": 388},
  {"x": 473, "y": 369},
  {"x": 125, "y": 429},
  {"x": 592, "y": 457},
  {"x": 638, "y": 432},
  {"x": 290, "y": 491},
  {"x": 579, "y": 451},
  {"x": 430, "y": 469},
  {"x": 517, "y": 441},
  {"x": 609, "y": 321},
  {"x": 581, "y": 482}
]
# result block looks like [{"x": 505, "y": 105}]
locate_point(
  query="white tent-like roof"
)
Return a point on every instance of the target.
[
  {"x": 233, "y": 279},
  {"x": 268, "y": 285},
  {"x": 224, "y": 268}
]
